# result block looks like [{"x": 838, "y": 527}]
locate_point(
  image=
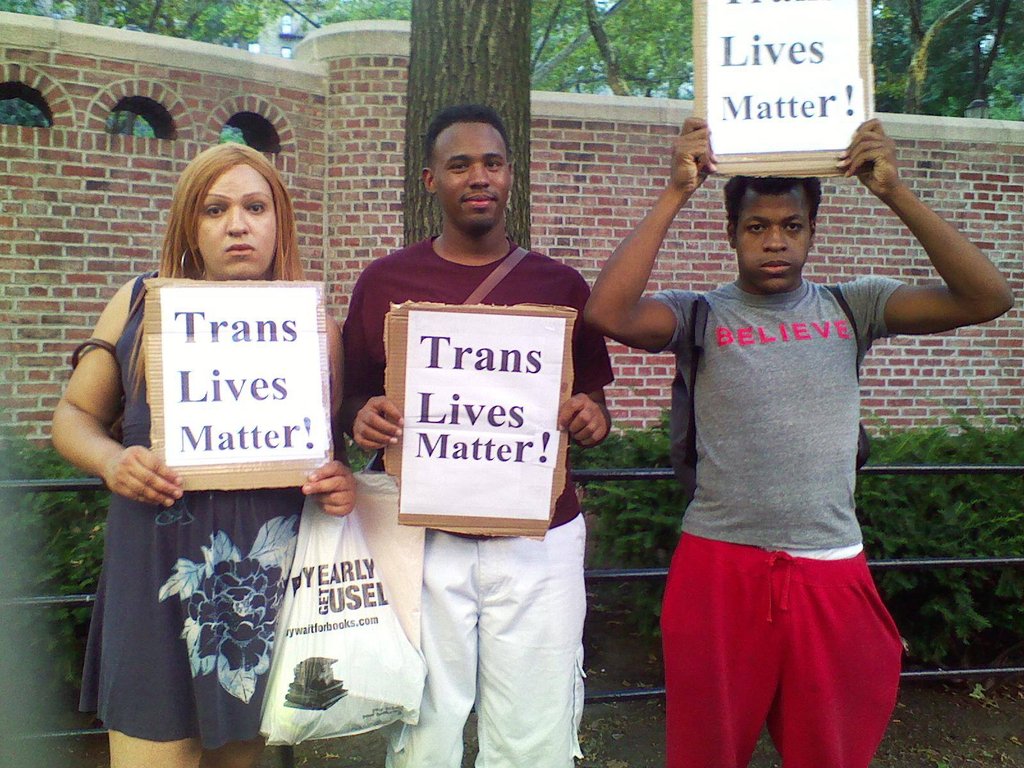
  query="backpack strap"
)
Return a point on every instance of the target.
[
  {"x": 497, "y": 275},
  {"x": 698, "y": 325},
  {"x": 682, "y": 418},
  {"x": 863, "y": 441},
  {"x": 844, "y": 305}
]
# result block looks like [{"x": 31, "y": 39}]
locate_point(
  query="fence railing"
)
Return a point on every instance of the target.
[
  {"x": 906, "y": 564},
  {"x": 624, "y": 574}
]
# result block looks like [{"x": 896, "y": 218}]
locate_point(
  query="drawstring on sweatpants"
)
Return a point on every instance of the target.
[{"x": 786, "y": 560}]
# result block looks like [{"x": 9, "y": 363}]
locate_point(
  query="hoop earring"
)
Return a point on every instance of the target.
[{"x": 202, "y": 270}]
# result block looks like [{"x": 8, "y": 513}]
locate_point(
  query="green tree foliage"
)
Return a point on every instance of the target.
[
  {"x": 20, "y": 112},
  {"x": 649, "y": 46},
  {"x": 213, "y": 21},
  {"x": 356, "y": 10},
  {"x": 126, "y": 123},
  {"x": 937, "y": 56}
]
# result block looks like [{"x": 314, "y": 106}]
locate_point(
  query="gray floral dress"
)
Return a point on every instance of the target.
[{"x": 183, "y": 626}]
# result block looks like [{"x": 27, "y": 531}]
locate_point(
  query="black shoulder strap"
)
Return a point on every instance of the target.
[
  {"x": 863, "y": 441},
  {"x": 844, "y": 305},
  {"x": 698, "y": 326},
  {"x": 139, "y": 294}
]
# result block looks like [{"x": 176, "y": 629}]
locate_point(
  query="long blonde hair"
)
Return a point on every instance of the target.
[{"x": 180, "y": 256}]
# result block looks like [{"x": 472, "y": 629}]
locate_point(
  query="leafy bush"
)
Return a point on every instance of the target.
[
  {"x": 70, "y": 524},
  {"x": 955, "y": 616},
  {"x": 948, "y": 617},
  {"x": 635, "y": 523}
]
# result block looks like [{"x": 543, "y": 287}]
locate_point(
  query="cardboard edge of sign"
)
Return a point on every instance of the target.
[
  {"x": 479, "y": 526},
  {"x": 396, "y": 337},
  {"x": 821, "y": 163},
  {"x": 236, "y": 475}
]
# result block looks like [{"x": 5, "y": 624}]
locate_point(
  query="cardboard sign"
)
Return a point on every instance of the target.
[
  {"x": 237, "y": 380},
  {"x": 783, "y": 84},
  {"x": 479, "y": 387}
]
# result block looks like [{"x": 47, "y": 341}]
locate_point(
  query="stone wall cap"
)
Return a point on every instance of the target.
[
  {"x": 355, "y": 38},
  {"x": 620, "y": 109},
  {"x": 643, "y": 110}
]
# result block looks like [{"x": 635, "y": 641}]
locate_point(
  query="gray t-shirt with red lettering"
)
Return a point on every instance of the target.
[{"x": 777, "y": 406}]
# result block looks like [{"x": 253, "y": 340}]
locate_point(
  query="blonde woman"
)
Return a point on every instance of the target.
[{"x": 183, "y": 626}]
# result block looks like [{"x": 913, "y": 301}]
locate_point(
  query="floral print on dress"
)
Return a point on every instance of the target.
[{"x": 232, "y": 602}]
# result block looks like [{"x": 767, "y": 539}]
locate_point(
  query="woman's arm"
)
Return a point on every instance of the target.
[{"x": 91, "y": 403}]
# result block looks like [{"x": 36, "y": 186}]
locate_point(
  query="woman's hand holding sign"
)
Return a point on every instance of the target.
[{"x": 136, "y": 473}]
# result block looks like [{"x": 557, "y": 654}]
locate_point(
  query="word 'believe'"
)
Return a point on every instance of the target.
[{"x": 783, "y": 332}]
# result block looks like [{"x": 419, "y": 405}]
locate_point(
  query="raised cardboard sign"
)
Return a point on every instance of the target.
[
  {"x": 237, "y": 380},
  {"x": 479, "y": 387},
  {"x": 783, "y": 84}
]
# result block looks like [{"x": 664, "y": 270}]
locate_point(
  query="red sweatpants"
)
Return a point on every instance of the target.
[{"x": 752, "y": 636}]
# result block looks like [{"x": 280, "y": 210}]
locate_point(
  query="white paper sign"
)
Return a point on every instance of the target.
[
  {"x": 242, "y": 375},
  {"x": 481, "y": 404},
  {"x": 785, "y": 75}
]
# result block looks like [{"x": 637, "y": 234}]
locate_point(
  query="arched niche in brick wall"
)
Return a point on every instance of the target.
[
  {"x": 30, "y": 92},
  {"x": 262, "y": 125},
  {"x": 255, "y": 130},
  {"x": 140, "y": 116},
  {"x": 21, "y": 105},
  {"x": 152, "y": 101}
]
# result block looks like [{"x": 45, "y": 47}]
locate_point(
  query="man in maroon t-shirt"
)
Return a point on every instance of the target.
[{"x": 502, "y": 620}]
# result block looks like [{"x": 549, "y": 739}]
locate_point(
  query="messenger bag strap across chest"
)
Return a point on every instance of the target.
[{"x": 496, "y": 276}]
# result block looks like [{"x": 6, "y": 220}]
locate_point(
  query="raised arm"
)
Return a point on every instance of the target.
[
  {"x": 974, "y": 291},
  {"x": 617, "y": 306}
]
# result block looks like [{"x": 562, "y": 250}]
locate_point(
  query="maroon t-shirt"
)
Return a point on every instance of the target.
[{"x": 417, "y": 273}]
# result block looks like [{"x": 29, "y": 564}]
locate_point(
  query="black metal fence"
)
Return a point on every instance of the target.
[{"x": 623, "y": 574}]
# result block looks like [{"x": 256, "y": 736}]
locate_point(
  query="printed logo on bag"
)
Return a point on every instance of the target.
[{"x": 347, "y": 585}]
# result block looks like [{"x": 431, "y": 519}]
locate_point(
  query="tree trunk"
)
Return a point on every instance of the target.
[
  {"x": 918, "y": 69},
  {"x": 985, "y": 61},
  {"x": 468, "y": 51},
  {"x": 541, "y": 68},
  {"x": 604, "y": 47}
]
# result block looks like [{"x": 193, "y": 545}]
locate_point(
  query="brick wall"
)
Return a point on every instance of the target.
[{"x": 81, "y": 211}]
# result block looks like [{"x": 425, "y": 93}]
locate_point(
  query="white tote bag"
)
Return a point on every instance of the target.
[{"x": 343, "y": 664}]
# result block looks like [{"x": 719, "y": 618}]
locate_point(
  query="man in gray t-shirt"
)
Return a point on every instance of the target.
[{"x": 770, "y": 614}]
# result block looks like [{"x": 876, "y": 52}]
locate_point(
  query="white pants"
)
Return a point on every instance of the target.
[{"x": 502, "y": 629}]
